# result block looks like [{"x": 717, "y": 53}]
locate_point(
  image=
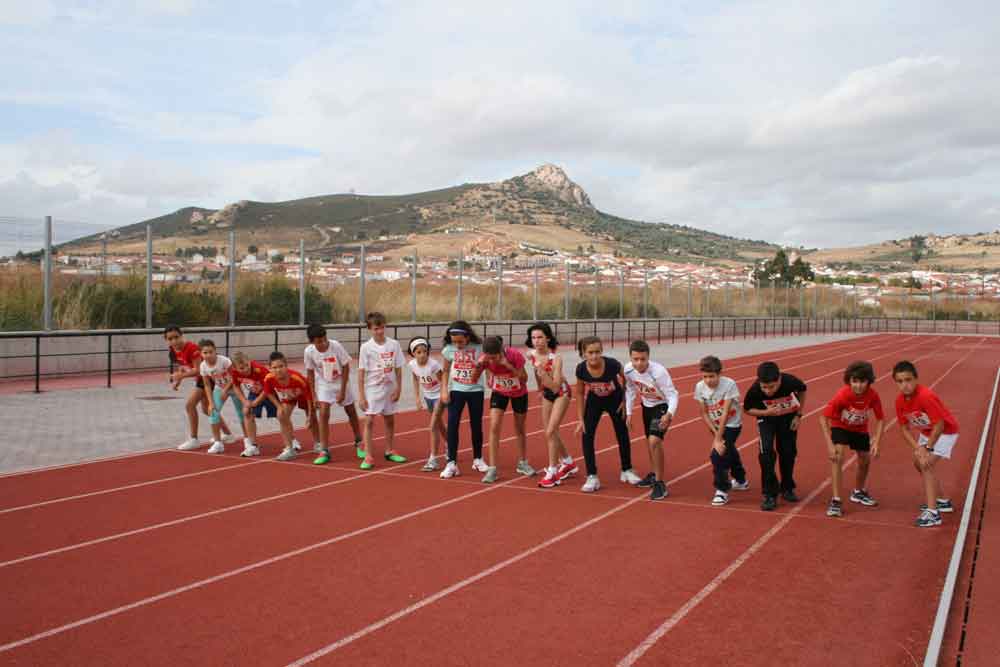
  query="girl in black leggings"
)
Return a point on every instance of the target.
[{"x": 599, "y": 389}]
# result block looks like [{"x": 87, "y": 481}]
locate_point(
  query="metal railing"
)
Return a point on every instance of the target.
[{"x": 40, "y": 355}]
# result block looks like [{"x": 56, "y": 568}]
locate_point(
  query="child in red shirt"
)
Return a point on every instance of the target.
[
  {"x": 846, "y": 423},
  {"x": 919, "y": 409},
  {"x": 509, "y": 385},
  {"x": 186, "y": 356},
  {"x": 289, "y": 389},
  {"x": 248, "y": 384}
]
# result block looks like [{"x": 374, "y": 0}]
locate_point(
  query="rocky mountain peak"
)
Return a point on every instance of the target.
[{"x": 550, "y": 178}]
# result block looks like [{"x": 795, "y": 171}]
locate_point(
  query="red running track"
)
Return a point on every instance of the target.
[{"x": 215, "y": 560}]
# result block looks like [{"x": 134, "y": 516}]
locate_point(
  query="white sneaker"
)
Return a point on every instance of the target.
[
  {"x": 217, "y": 448},
  {"x": 431, "y": 465},
  {"x": 450, "y": 470},
  {"x": 736, "y": 486},
  {"x": 318, "y": 447},
  {"x": 592, "y": 484},
  {"x": 629, "y": 477},
  {"x": 296, "y": 445},
  {"x": 230, "y": 438},
  {"x": 720, "y": 498},
  {"x": 287, "y": 454},
  {"x": 189, "y": 444},
  {"x": 479, "y": 465},
  {"x": 250, "y": 450}
]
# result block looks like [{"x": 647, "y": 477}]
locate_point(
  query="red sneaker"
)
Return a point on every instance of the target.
[
  {"x": 549, "y": 480},
  {"x": 566, "y": 470}
]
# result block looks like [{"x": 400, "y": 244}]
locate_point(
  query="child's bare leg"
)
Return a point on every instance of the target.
[
  {"x": 656, "y": 457},
  {"x": 352, "y": 417},
  {"x": 937, "y": 481},
  {"x": 522, "y": 435},
  {"x": 250, "y": 427},
  {"x": 550, "y": 442},
  {"x": 496, "y": 422},
  {"x": 864, "y": 465},
  {"x": 559, "y": 408},
  {"x": 324, "y": 424},
  {"x": 441, "y": 431},
  {"x": 191, "y": 407},
  {"x": 367, "y": 423},
  {"x": 285, "y": 422},
  {"x": 390, "y": 432},
  {"x": 837, "y": 471},
  {"x": 314, "y": 428}
]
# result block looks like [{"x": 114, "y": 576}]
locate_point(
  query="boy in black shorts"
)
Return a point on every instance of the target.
[
  {"x": 846, "y": 424},
  {"x": 776, "y": 400}
]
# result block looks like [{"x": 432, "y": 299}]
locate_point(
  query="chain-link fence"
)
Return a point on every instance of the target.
[{"x": 130, "y": 278}]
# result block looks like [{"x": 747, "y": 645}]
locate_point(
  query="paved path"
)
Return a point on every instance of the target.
[{"x": 77, "y": 424}]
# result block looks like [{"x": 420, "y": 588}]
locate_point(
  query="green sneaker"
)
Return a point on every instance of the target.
[
  {"x": 367, "y": 465},
  {"x": 323, "y": 458},
  {"x": 360, "y": 451},
  {"x": 395, "y": 458}
]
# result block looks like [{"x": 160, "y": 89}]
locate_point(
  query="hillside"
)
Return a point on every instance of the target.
[
  {"x": 543, "y": 207},
  {"x": 956, "y": 252}
]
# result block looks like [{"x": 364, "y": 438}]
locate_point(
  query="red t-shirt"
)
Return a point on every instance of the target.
[
  {"x": 294, "y": 390},
  {"x": 849, "y": 411},
  {"x": 504, "y": 381},
  {"x": 924, "y": 409},
  {"x": 187, "y": 357},
  {"x": 252, "y": 382}
]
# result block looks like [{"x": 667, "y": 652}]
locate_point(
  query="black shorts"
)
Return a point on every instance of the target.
[
  {"x": 651, "y": 419},
  {"x": 199, "y": 382},
  {"x": 266, "y": 404},
  {"x": 519, "y": 404},
  {"x": 859, "y": 442}
]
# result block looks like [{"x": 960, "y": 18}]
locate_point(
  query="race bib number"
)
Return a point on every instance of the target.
[
  {"x": 716, "y": 414},
  {"x": 784, "y": 405},
  {"x": 853, "y": 417},
  {"x": 331, "y": 368},
  {"x": 602, "y": 389},
  {"x": 648, "y": 391},
  {"x": 287, "y": 395},
  {"x": 221, "y": 379},
  {"x": 506, "y": 383},
  {"x": 919, "y": 420},
  {"x": 251, "y": 386},
  {"x": 428, "y": 381},
  {"x": 463, "y": 368}
]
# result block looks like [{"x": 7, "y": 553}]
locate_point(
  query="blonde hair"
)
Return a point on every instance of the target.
[{"x": 240, "y": 358}]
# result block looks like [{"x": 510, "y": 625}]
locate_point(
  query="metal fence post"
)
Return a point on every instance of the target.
[
  {"x": 669, "y": 312},
  {"x": 461, "y": 271},
  {"x": 149, "y": 276},
  {"x": 621, "y": 295},
  {"x": 645, "y": 296},
  {"x": 362, "y": 308},
  {"x": 596, "y": 287},
  {"x": 104, "y": 256},
  {"x": 413, "y": 288},
  {"x": 708, "y": 299},
  {"x": 500, "y": 287},
  {"x": 566, "y": 296},
  {"x": 689, "y": 297},
  {"x": 302, "y": 281},
  {"x": 232, "y": 277},
  {"x": 47, "y": 276},
  {"x": 534, "y": 292}
]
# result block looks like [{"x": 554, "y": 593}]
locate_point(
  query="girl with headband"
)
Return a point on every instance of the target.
[
  {"x": 465, "y": 387},
  {"x": 428, "y": 373}
]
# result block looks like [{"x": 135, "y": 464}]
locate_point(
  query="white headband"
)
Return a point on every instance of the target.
[{"x": 419, "y": 341}]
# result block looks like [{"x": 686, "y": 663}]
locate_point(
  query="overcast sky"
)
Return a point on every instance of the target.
[{"x": 804, "y": 123}]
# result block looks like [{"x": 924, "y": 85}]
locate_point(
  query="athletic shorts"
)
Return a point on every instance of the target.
[
  {"x": 431, "y": 402},
  {"x": 199, "y": 382},
  {"x": 552, "y": 396},
  {"x": 381, "y": 406},
  {"x": 266, "y": 404},
  {"x": 519, "y": 404},
  {"x": 326, "y": 392},
  {"x": 943, "y": 446},
  {"x": 651, "y": 419},
  {"x": 859, "y": 442}
]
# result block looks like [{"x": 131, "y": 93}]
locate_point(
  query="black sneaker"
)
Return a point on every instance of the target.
[
  {"x": 648, "y": 480},
  {"x": 769, "y": 503},
  {"x": 659, "y": 491},
  {"x": 928, "y": 519},
  {"x": 861, "y": 496},
  {"x": 789, "y": 496},
  {"x": 834, "y": 508},
  {"x": 942, "y": 506}
]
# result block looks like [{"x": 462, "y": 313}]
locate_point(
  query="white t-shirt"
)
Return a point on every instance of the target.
[
  {"x": 714, "y": 398},
  {"x": 654, "y": 387},
  {"x": 327, "y": 364},
  {"x": 219, "y": 372},
  {"x": 380, "y": 363},
  {"x": 427, "y": 375}
]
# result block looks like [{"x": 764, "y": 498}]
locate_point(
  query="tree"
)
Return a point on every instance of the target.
[
  {"x": 252, "y": 250},
  {"x": 918, "y": 247},
  {"x": 778, "y": 271}
]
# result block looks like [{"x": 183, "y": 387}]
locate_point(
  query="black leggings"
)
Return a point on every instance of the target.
[
  {"x": 729, "y": 462},
  {"x": 456, "y": 401},
  {"x": 592, "y": 411}
]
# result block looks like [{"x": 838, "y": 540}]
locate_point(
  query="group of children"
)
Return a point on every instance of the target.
[{"x": 853, "y": 419}]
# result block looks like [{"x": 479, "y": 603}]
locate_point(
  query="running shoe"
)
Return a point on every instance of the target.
[
  {"x": 739, "y": 486},
  {"x": 491, "y": 475},
  {"x": 296, "y": 445},
  {"x": 550, "y": 479},
  {"x": 359, "y": 451},
  {"x": 450, "y": 470},
  {"x": 431, "y": 465},
  {"x": 928, "y": 519},
  {"x": 720, "y": 498},
  {"x": 647, "y": 481},
  {"x": 769, "y": 503},
  {"x": 629, "y": 477},
  {"x": 395, "y": 458},
  {"x": 230, "y": 438},
  {"x": 318, "y": 447},
  {"x": 323, "y": 458},
  {"x": 659, "y": 490},
  {"x": 479, "y": 465},
  {"x": 524, "y": 468},
  {"x": 861, "y": 496},
  {"x": 189, "y": 445},
  {"x": 250, "y": 450},
  {"x": 789, "y": 496},
  {"x": 217, "y": 448},
  {"x": 592, "y": 484},
  {"x": 367, "y": 465},
  {"x": 943, "y": 506},
  {"x": 287, "y": 454},
  {"x": 835, "y": 508},
  {"x": 567, "y": 468}
]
